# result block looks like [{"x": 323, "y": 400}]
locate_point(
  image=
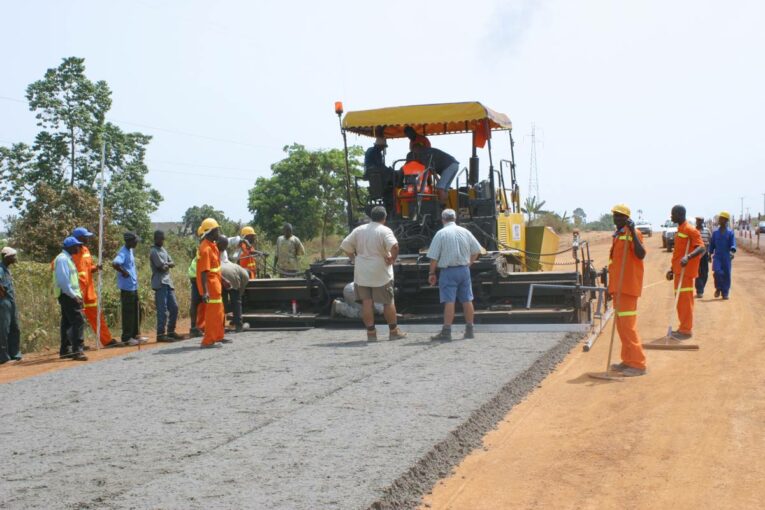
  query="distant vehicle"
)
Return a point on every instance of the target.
[
  {"x": 761, "y": 227},
  {"x": 668, "y": 236},
  {"x": 644, "y": 227}
]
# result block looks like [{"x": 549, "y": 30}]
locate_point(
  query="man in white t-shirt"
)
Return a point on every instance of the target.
[{"x": 373, "y": 249}]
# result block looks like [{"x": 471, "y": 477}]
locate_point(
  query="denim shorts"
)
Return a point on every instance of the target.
[{"x": 454, "y": 285}]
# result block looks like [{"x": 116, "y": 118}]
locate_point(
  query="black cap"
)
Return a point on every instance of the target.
[{"x": 129, "y": 236}]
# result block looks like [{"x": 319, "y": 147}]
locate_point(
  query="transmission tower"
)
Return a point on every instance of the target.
[{"x": 533, "y": 170}]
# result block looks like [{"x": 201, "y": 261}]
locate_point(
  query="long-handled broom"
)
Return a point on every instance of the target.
[
  {"x": 668, "y": 343},
  {"x": 609, "y": 374}
]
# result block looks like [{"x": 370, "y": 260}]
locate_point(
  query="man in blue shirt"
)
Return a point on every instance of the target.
[
  {"x": 127, "y": 281},
  {"x": 9, "y": 320},
  {"x": 453, "y": 250},
  {"x": 722, "y": 246},
  {"x": 70, "y": 299}
]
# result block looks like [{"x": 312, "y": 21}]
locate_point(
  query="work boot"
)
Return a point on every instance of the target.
[
  {"x": 618, "y": 367},
  {"x": 175, "y": 336},
  {"x": 114, "y": 343},
  {"x": 226, "y": 341},
  {"x": 676, "y": 335},
  {"x": 444, "y": 336},
  {"x": 239, "y": 328},
  {"x": 215, "y": 345},
  {"x": 717, "y": 292},
  {"x": 164, "y": 338},
  {"x": 79, "y": 356},
  {"x": 396, "y": 334},
  {"x": 372, "y": 335},
  {"x": 195, "y": 333},
  {"x": 633, "y": 372},
  {"x": 469, "y": 332}
]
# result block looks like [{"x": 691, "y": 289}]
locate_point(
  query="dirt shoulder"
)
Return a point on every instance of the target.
[{"x": 687, "y": 435}]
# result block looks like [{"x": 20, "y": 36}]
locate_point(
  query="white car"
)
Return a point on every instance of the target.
[{"x": 668, "y": 236}]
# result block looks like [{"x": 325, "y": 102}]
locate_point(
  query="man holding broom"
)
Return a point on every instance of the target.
[
  {"x": 689, "y": 247},
  {"x": 625, "y": 284}
]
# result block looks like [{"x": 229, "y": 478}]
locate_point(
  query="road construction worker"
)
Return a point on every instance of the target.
[
  {"x": 722, "y": 248},
  {"x": 86, "y": 268},
  {"x": 689, "y": 247},
  {"x": 247, "y": 251},
  {"x": 415, "y": 138},
  {"x": 441, "y": 163},
  {"x": 127, "y": 282},
  {"x": 67, "y": 285},
  {"x": 706, "y": 236},
  {"x": 10, "y": 336},
  {"x": 210, "y": 285},
  {"x": 626, "y": 295},
  {"x": 288, "y": 250}
]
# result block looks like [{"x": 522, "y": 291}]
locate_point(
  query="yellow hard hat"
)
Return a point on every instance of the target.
[
  {"x": 621, "y": 209},
  {"x": 724, "y": 214},
  {"x": 247, "y": 231},
  {"x": 206, "y": 226}
]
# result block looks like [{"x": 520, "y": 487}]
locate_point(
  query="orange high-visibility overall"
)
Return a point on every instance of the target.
[
  {"x": 215, "y": 316},
  {"x": 686, "y": 233},
  {"x": 247, "y": 259},
  {"x": 625, "y": 304},
  {"x": 83, "y": 261}
]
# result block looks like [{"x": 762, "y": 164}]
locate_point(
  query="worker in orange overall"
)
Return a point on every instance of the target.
[
  {"x": 626, "y": 296},
  {"x": 247, "y": 251},
  {"x": 86, "y": 268},
  {"x": 689, "y": 248},
  {"x": 210, "y": 285}
]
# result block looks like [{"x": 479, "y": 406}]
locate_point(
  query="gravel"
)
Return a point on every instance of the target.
[{"x": 298, "y": 420}]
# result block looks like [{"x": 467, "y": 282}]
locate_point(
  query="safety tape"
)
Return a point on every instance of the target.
[
  {"x": 83, "y": 273},
  {"x": 625, "y": 238},
  {"x": 90, "y": 305},
  {"x": 685, "y": 289},
  {"x": 214, "y": 301},
  {"x": 680, "y": 234},
  {"x": 215, "y": 269},
  {"x": 626, "y": 314}
]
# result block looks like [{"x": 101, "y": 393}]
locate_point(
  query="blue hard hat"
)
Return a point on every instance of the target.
[
  {"x": 71, "y": 241},
  {"x": 82, "y": 232}
]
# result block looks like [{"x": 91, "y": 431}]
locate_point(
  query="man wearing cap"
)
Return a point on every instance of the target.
[
  {"x": 10, "y": 337},
  {"x": 416, "y": 139},
  {"x": 210, "y": 285},
  {"x": 380, "y": 176},
  {"x": 70, "y": 299},
  {"x": 86, "y": 268},
  {"x": 288, "y": 250},
  {"x": 686, "y": 256},
  {"x": 127, "y": 281},
  {"x": 164, "y": 292},
  {"x": 627, "y": 239},
  {"x": 701, "y": 279},
  {"x": 722, "y": 246},
  {"x": 247, "y": 251}
]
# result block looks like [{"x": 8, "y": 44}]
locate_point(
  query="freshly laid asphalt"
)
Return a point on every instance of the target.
[{"x": 294, "y": 420}]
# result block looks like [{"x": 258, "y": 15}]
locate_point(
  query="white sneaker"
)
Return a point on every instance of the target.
[
  {"x": 133, "y": 342},
  {"x": 142, "y": 339}
]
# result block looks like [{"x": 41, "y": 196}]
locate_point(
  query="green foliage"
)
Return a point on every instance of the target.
[
  {"x": 560, "y": 224},
  {"x": 307, "y": 189},
  {"x": 52, "y": 217},
  {"x": 580, "y": 217},
  {"x": 194, "y": 216},
  {"x": 532, "y": 207},
  {"x": 604, "y": 224},
  {"x": 66, "y": 153}
]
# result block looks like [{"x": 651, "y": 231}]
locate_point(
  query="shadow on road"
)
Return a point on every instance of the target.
[{"x": 177, "y": 350}]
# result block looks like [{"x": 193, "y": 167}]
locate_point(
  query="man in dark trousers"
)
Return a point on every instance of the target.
[
  {"x": 9, "y": 320},
  {"x": 164, "y": 292},
  {"x": 127, "y": 281},
  {"x": 70, "y": 300},
  {"x": 701, "y": 279}
]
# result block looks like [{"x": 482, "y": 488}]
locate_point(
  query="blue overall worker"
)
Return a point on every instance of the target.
[{"x": 722, "y": 246}]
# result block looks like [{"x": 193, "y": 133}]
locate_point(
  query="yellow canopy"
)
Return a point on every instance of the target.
[{"x": 427, "y": 119}]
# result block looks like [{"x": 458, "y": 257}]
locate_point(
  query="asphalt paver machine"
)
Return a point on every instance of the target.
[{"x": 521, "y": 277}]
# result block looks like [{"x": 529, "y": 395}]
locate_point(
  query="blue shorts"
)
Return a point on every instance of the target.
[
  {"x": 454, "y": 285},
  {"x": 447, "y": 176}
]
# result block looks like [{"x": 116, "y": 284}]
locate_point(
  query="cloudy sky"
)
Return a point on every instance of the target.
[{"x": 651, "y": 103}]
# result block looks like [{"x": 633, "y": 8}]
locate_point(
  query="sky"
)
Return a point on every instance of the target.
[{"x": 649, "y": 103}]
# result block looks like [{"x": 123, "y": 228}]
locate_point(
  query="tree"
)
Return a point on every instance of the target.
[
  {"x": 604, "y": 223},
  {"x": 194, "y": 216},
  {"x": 71, "y": 111},
  {"x": 307, "y": 189},
  {"x": 52, "y": 217},
  {"x": 580, "y": 217},
  {"x": 533, "y": 208}
]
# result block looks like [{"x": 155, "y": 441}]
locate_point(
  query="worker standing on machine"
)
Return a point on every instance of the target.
[
  {"x": 288, "y": 250},
  {"x": 626, "y": 296},
  {"x": 438, "y": 161},
  {"x": 689, "y": 247}
]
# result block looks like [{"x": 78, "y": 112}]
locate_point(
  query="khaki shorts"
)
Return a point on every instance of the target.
[{"x": 382, "y": 295}]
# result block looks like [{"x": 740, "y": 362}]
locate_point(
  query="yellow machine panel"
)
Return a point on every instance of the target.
[{"x": 511, "y": 231}]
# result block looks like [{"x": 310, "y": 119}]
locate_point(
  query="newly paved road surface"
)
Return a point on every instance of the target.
[{"x": 298, "y": 420}]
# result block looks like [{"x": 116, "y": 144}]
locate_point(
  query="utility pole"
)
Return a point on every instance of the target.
[
  {"x": 741, "y": 217},
  {"x": 533, "y": 169}
]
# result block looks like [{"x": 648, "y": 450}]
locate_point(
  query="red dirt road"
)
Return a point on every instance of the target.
[{"x": 690, "y": 434}]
